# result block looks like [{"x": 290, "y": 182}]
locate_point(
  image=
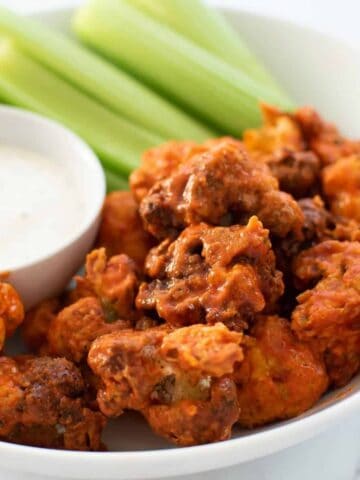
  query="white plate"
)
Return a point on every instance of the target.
[{"x": 316, "y": 70}]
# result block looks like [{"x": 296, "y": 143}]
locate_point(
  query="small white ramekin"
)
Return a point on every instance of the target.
[{"x": 47, "y": 275}]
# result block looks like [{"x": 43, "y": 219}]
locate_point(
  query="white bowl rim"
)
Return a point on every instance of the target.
[
  {"x": 234, "y": 451},
  {"x": 230, "y": 452},
  {"x": 95, "y": 197}
]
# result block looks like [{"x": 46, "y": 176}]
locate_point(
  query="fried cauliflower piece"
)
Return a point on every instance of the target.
[
  {"x": 179, "y": 380},
  {"x": 37, "y": 324},
  {"x": 280, "y": 376},
  {"x": 212, "y": 274},
  {"x": 341, "y": 185},
  {"x": 110, "y": 286},
  {"x": 195, "y": 422},
  {"x": 280, "y": 132},
  {"x": 323, "y": 138},
  {"x": 328, "y": 315},
  {"x": 41, "y": 405},
  {"x": 296, "y": 147},
  {"x": 114, "y": 281},
  {"x": 319, "y": 225},
  {"x": 2, "y": 334},
  {"x": 221, "y": 186},
  {"x": 280, "y": 144},
  {"x": 298, "y": 172},
  {"x": 121, "y": 229},
  {"x": 74, "y": 328},
  {"x": 70, "y": 335},
  {"x": 11, "y": 312},
  {"x": 159, "y": 163}
]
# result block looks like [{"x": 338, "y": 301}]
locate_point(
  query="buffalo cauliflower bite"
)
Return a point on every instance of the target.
[
  {"x": 280, "y": 376},
  {"x": 298, "y": 172},
  {"x": 159, "y": 163},
  {"x": 341, "y": 184},
  {"x": 74, "y": 328},
  {"x": 212, "y": 274},
  {"x": 279, "y": 133},
  {"x": 11, "y": 312},
  {"x": 319, "y": 225},
  {"x": 121, "y": 230},
  {"x": 323, "y": 138},
  {"x": 114, "y": 281},
  {"x": 2, "y": 334},
  {"x": 328, "y": 314},
  {"x": 37, "y": 324},
  {"x": 195, "y": 422},
  {"x": 54, "y": 329},
  {"x": 221, "y": 186},
  {"x": 41, "y": 405},
  {"x": 280, "y": 144},
  {"x": 178, "y": 379},
  {"x": 110, "y": 287}
]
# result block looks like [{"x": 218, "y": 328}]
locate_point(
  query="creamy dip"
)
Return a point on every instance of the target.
[{"x": 40, "y": 208}]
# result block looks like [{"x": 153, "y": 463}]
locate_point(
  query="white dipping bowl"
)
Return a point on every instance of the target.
[{"x": 47, "y": 275}]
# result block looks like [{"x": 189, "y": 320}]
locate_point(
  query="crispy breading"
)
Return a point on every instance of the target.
[
  {"x": 159, "y": 163},
  {"x": 341, "y": 185},
  {"x": 280, "y": 132},
  {"x": 323, "y": 138},
  {"x": 74, "y": 328},
  {"x": 211, "y": 274},
  {"x": 328, "y": 315},
  {"x": 298, "y": 172},
  {"x": 121, "y": 229},
  {"x": 319, "y": 225},
  {"x": 41, "y": 405},
  {"x": 114, "y": 281},
  {"x": 221, "y": 186},
  {"x": 195, "y": 422},
  {"x": 37, "y": 324},
  {"x": 184, "y": 391},
  {"x": 110, "y": 286},
  {"x": 280, "y": 144},
  {"x": 11, "y": 312},
  {"x": 280, "y": 376}
]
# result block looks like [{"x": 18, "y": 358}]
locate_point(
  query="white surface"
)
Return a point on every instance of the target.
[
  {"x": 48, "y": 274},
  {"x": 331, "y": 449}
]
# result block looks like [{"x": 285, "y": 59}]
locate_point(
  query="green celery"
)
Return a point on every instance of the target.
[
  {"x": 115, "y": 89},
  {"x": 25, "y": 83},
  {"x": 212, "y": 89},
  {"x": 208, "y": 28},
  {"x": 115, "y": 182}
]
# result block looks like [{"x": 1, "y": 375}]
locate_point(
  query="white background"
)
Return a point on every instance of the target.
[{"x": 338, "y": 17}]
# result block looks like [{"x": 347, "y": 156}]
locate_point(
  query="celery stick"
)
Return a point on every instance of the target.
[
  {"x": 208, "y": 28},
  {"x": 27, "y": 84},
  {"x": 112, "y": 87},
  {"x": 115, "y": 182},
  {"x": 212, "y": 89}
]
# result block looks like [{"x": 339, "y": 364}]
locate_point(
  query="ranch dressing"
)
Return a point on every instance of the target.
[{"x": 39, "y": 207}]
